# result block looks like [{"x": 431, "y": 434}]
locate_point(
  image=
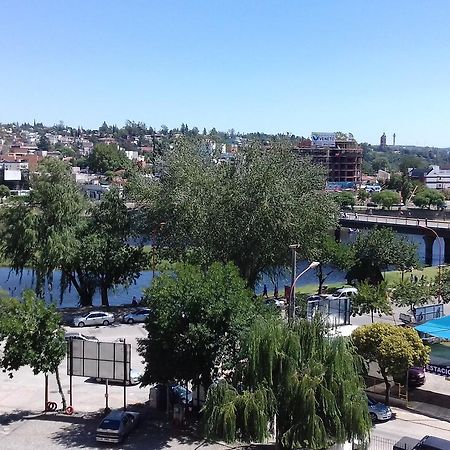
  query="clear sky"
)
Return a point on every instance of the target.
[{"x": 300, "y": 66}]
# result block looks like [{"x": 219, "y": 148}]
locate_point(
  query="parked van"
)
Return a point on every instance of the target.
[{"x": 347, "y": 292}]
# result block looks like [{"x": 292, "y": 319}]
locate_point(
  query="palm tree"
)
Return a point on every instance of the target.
[{"x": 295, "y": 381}]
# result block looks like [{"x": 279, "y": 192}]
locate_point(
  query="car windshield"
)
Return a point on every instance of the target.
[
  {"x": 371, "y": 401},
  {"x": 109, "y": 424}
]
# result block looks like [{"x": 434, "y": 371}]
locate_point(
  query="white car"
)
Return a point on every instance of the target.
[
  {"x": 94, "y": 318},
  {"x": 140, "y": 315},
  {"x": 348, "y": 292},
  {"x": 79, "y": 336}
]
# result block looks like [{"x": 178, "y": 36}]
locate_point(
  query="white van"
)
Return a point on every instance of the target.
[{"x": 347, "y": 292}]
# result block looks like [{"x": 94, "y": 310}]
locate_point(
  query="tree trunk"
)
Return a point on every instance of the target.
[
  {"x": 320, "y": 277},
  {"x": 387, "y": 384},
  {"x": 104, "y": 294},
  {"x": 60, "y": 389},
  {"x": 371, "y": 314}
]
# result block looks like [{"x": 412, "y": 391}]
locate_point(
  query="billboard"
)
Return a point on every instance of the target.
[
  {"x": 323, "y": 139},
  {"x": 107, "y": 360}
]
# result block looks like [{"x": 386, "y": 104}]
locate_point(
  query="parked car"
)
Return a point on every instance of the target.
[
  {"x": 344, "y": 293},
  {"x": 180, "y": 394},
  {"x": 116, "y": 426},
  {"x": 426, "y": 443},
  {"x": 135, "y": 378},
  {"x": 416, "y": 377},
  {"x": 79, "y": 336},
  {"x": 94, "y": 318},
  {"x": 378, "y": 411},
  {"x": 138, "y": 316}
]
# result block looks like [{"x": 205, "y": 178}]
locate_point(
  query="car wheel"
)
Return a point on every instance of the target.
[
  {"x": 373, "y": 416},
  {"x": 81, "y": 324},
  {"x": 106, "y": 323},
  {"x": 130, "y": 321}
]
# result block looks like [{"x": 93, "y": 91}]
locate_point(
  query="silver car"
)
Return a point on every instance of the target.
[
  {"x": 116, "y": 426},
  {"x": 94, "y": 318},
  {"x": 79, "y": 336},
  {"x": 139, "y": 316}
]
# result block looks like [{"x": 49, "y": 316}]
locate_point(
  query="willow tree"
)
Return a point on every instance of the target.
[{"x": 295, "y": 379}]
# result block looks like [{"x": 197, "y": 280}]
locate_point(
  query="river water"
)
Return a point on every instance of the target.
[{"x": 14, "y": 284}]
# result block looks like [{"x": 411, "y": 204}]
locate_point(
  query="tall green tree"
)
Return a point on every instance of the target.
[
  {"x": 107, "y": 157},
  {"x": 4, "y": 192},
  {"x": 105, "y": 252},
  {"x": 378, "y": 249},
  {"x": 32, "y": 336},
  {"x": 386, "y": 198},
  {"x": 294, "y": 376},
  {"x": 429, "y": 197},
  {"x": 394, "y": 348},
  {"x": 248, "y": 211},
  {"x": 442, "y": 285},
  {"x": 411, "y": 294},
  {"x": 344, "y": 199},
  {"x": 196, "y": 323},
  {"x": 371, "y": 299},
  {"x": 44, "y": 143}
]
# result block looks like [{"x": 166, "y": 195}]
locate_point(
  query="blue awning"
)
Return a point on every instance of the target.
[{"x": 437, "y": 327}]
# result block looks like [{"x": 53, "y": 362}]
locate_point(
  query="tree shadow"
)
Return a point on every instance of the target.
[
  {"x": 153, "y": 432},
  {"x": 15, "y": 416}
]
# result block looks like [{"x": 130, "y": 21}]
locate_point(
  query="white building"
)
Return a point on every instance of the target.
[{"x": 437, "y": 178}]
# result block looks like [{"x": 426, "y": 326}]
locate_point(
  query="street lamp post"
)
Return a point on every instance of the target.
[
  {"x": 439, "y": 260},
  {"x": 295, "y": 277}
]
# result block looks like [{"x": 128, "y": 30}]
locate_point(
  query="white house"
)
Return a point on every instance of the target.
[{"x": 437, "y": 178}]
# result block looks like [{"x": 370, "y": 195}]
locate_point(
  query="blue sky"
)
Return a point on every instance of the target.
[{"x": 299, "y": 66}]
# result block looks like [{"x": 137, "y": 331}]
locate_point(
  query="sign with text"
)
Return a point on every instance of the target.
[
  {"x": 444, "y": 371},
  {"x": 106, "y": 360},
  {"x": 323, "y": 139}
]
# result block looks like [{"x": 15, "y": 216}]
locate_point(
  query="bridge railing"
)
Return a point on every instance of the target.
[{"x": 405, "y": 221}]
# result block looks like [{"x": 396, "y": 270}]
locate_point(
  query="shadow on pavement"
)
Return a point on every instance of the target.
[{"x": 15, "y": 416}]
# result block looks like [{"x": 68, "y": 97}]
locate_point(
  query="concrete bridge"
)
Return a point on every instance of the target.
[{"x": 430, "y": 229}]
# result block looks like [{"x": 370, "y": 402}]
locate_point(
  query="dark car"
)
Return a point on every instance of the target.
[
  {"x": 416, "y": 376},
  {"x": 180, "y": 394},
  {"x": 116, "y": 426}
]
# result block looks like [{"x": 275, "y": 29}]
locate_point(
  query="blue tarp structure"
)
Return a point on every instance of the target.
[{"x": 437, "y": 327}]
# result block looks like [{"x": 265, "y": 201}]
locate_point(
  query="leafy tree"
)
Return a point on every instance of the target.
[
  {"x": 429, "y": 197},
  {"x": 344, "y": 199},
  {"x": 376, "y": 250},
  {"x": 196, "y": 323},
  {"x": 32, "y": 336},
  {"x": 370, "y": 299},
  {"x": 248, "y": 212},
  {"x": 54, "y": 229},
  {"x": 44, "y": 143},
  {"x": 442, "y": 284},
  {"x": 297, "y": 377},
  {"x": 331, "y": 255},
  {"x": 107, "y": 157},
  {"x": 411, "y": 294},
  {"x": 394, "y": 348},
  {"x": 104, "y": 252},
  {"x": 4, "y": 192},
  {"x": 386, "y": 198},
  {"x": 362, "y": 195}
]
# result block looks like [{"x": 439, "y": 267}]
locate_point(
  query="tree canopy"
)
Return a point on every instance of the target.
[
  {"x": 197, "y": 321},
  {"x": 248, "y": 211},
  {"x": 107, "y": 157},
  {"x": 376, "y": 250},
  {"x": 32, "y": 336},
  {"x": 297, "y": 375},
  {"x": 371, "y": 299},
  {"x": 394, "y": 348},
  {"x": 386, "y": 198},
  {"x": 56, "y": 228},
  {"x": 411, "y": 294},
  {"x": 427, "y": 197}
]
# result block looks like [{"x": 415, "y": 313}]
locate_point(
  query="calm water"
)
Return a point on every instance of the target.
[{"x": 15, "y": 285}]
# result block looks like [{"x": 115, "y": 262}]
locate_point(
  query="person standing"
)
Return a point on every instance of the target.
[{"x": 265, "y": 291}]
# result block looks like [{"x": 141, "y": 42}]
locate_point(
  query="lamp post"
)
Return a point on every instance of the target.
[
  {"x": 295, "y": 278},
  {"x": 440, "y": 258}
]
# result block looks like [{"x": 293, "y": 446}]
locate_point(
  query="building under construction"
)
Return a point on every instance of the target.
[{"x": 339, "y": 153}]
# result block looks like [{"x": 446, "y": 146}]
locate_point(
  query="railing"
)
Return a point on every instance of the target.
[{"x": 404, "y": 221}]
